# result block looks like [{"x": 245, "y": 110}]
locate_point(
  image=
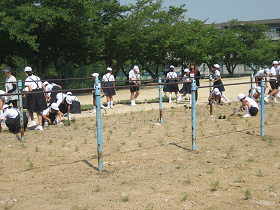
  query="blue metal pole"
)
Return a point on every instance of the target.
[
  {"x": 252, "y": 76},
  {"x": 160, "y": 100},
  {"x": 194, "y": 87},
  {"x": 98, "y": 122},
  {"x": 21, "y": 111},
  {"x": 262, "y": 108}
]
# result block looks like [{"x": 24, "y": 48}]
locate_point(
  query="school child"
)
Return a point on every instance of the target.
[
  {"x": 12, "y": 119},
  {"x": 273, "y": 82},
  {"x": 11, "y": 87},
  {"x": 256, "y": 92},
  {"x": 64, "y": 102},
  {"x": 35, "y": 102},
  {"x": 172, "y": 78},
  {"x": 109, "y": 81},
  {"x": 262, "y": 74},
  {"x": 50, "y": 87},
  {"x": 195, "y": 74},
  {"x": 95, "y": 75},
  {"x": 2, "y": 101},
  {"x": 186, "y": 89},
  {"x": 249, "y": 105},
  {"x": 51, "y": 115},
  {"x": 218, "y": 81},
  {"x": 216, "y": 97},
  {"x": 134, "y": 76}
]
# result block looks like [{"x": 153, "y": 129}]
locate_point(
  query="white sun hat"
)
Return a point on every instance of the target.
[
  {"x": 5, "y": 106},
  {"x": 217, "y": 91},
  {"x": 54, "y": 106},
  {"x": 275, "y": 62},
  {"x": 241, "y": 96},
  {"x": 45, "y": 83},
  {"x": 186, "y": 70},
  {"x": 217, "y": 66},
  {"x": 172, "y": 67},
  {"x": 109, "y": 69},
  {"x": 27, "y": 68},
  {"x": 258, "y": 89},
  {"x": 95, "y": 74},
  {"x": 69, "y": 99},
  {"x": 267, "y": 70}
]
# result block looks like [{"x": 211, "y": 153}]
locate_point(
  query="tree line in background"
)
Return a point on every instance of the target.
[{"x": 55, "y": 33}]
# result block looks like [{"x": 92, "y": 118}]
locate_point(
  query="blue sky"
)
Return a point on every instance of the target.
[{"x": 223, "y": 10}]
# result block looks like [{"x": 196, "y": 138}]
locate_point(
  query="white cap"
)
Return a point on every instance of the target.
[
  {"x": 267, "y": 70},
  {"x": 172, "y": 67},
  {"x": 186, "y": 70},
  {"x": 240, "y": 96},
  {"x": 217, "y": 66},
  {"x": 54, "y": 106},
  {"x": 216, "y": 91},
  {"x": 136, "y": 68},
  {"x": 45, "y": 83},
  {"x": 5, "y": 106},
  {"x": 109, "y": 69},
  {"x": 27, "y": 68},
  {"x": 95, "y": 74},
  {"x": 258, "y": 89},
  {"x": 69, "y": 93},
  {"x": 69, "y": 99},
  {"x": 254, "y": 86},
  {"x": 275, "y": 62}
]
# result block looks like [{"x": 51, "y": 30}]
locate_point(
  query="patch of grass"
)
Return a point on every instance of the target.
[
  {"x": 22, "y": 145},
  {"x": 260, "y": 173},
  {"x": 129, "y": 133},
  {"x": 85, "y": 141},
  {"x": 76, "y": 148},
  {"x": 50, "y": 153},
  {"x": 154, "y": 187},
  {"x": 265, "y": 122},
  {"x": 249, "y": 124},
  {"x": 264, "y": 138},
  {"x": 150, "y": 206},
  {"x": 210, "y": 170},
  {"x": 149, "y": 131},
  {"x": 185, "y": 197},
  {"x": 251, "y": 159},
  {"x": 272, "y": 187},
  {"x": 50, "y": 142},
  {"x": 117, "y": 148},
  {"x": 96, "y": 188},
  {"x": 248, "y": 194},
  {"x": 63, "y": 144},
  {"x": 139, "y": 144},
  {"x": 238, "y": 180},
  {"x": 215, "y": 185},
  {"x": 160, "y": 140},
  {"x": 125, "y": 199},
  {"x": 36, "y": 149},
  {"x": 30, "y": 164},
  {"x": 187, "y": 181}
]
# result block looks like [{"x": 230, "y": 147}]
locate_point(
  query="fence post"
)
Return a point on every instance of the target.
[
  {"x": 194, "y": 87},
  {"x": 210, "y": 94},
  {"x": 98, "y": 123},
  {"x": 252, "y": 76},
  {"x": 160, "y": 100},
  {"x": 21, "y": 111},
  {"x": 262, "y": 108}
]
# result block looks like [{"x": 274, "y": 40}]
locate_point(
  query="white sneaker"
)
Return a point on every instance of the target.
[
  {"x": 246, "y": 115},
  {"x": 133, "y": 104},
  {"x": 39, "y": 127},
  {"x": 227, "y": 101},
  {"x": 93, "y": 112},
  {"x": 170, "y": 102},
  {"x": 46, "y": 124},
  {"x": 178, "y": 100},
  {"x": 266, "y": 100},
  {"x": 32, "y": 124},
  {"x": 112, "y": 107},
  {"x": 276, "y": 102},
  {"x": 108, "y": 107}
]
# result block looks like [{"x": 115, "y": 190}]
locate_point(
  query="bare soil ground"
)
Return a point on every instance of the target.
[{"x": 147, "y": 164}]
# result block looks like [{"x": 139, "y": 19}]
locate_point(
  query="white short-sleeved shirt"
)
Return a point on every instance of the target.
[
  {"x": 46, "y": 111},
  {"x": 217, "y": 74},
  {"x": 186, "y": 78},
  {"x": 252, "y": 102},
  {"x": 171, "y": 75},
  {"x": 9, "y": 86},
  {"x": 108, "y": 78},
  {"x": 33, "y": 81},
  {"x": 133, "y": 76},
  {"x": 49, "y": 87},
  {"x": 2, "y": 97},
  {"x": 60, "y": 97},
  {"x": 261, "y": 73},
  {"x": 9, "y": 113},
  {"x": 273, "y": 72}
]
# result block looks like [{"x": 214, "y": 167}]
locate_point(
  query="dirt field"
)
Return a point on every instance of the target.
[{"x": 147, "y": 165}]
